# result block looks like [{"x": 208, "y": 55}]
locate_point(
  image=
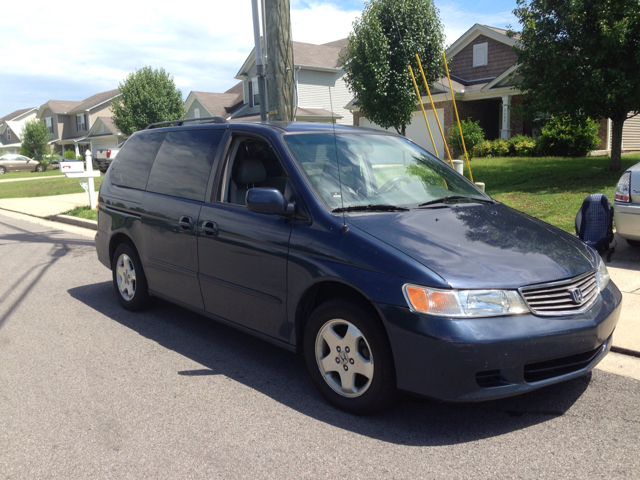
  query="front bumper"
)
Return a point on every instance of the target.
[{"x": 466, "y": 360}]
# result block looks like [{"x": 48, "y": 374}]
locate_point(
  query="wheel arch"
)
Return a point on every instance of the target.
[
  {"x": 325, "y": 290},
  {"x": 118, "y": 239}
]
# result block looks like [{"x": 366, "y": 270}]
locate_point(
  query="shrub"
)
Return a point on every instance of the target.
[
  {"x": 567, "y": 137},
  {"x": 522, "y": 146},
  {"x": 70, "y": 155},
  {"x": 500, "y": 148},
  {"x": 473, "y": 134},
  {"x": 482, "y": 149}
]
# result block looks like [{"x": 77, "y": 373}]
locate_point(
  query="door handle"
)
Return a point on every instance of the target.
[
  {"x": 185, "y": 222},
  {"x": 210, "y": 228}
]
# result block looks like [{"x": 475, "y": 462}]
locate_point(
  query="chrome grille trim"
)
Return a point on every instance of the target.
[{"x": 555, "y": 298}]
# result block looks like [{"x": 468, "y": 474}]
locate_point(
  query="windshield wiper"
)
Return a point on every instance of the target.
[
  {"x": 452, "y": 198},
  {"x": 370, "y": 208}
]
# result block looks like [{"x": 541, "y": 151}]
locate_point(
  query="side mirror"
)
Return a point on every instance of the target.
[{"x": 269, "y": 201}]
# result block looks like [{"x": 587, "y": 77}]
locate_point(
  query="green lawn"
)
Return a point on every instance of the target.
[
  {"x": 83, "y": 212},
  {"x": 48, "y": 173},
  {"x": 551, "y": 189},
  {"x": 42, "y": 188}
]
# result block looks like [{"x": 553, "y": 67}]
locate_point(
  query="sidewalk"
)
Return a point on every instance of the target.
[{"x": 623, "y": 262}]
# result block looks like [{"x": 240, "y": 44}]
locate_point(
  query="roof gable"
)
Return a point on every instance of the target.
[
  {"x": 95, "y": 100},
  {"x": 17, "y": 114},
  {"x": 470, "y": 35},
  {"x": 109, "y": 127}
]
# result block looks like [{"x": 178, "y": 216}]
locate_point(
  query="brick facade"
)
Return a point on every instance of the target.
[{"x": 499, "y": 57}]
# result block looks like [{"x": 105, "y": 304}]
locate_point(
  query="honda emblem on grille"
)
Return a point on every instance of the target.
[{"x": 576, "y": 295}]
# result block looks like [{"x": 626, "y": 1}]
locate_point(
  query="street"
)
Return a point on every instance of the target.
[{"x": 89, "y": 390}]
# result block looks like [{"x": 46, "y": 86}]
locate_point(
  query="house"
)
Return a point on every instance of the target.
[
  {"x": 70, "y": 122},
  {"x": 11, "y": 128},
  {"x": 483, "y": 73},
  {"x": 321, "y": 93}
]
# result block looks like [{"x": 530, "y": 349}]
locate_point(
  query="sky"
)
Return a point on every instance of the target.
[{"x": 73, "y": 49}]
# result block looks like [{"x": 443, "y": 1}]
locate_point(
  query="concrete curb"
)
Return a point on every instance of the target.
[{"x": 78, "y": 222}]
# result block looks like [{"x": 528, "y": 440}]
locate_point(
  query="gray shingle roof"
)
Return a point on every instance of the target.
[
  {"x": 219, "y": 103},
  {"x": 326, "y": 55},
  {"x": 15, "y": 114},
  {"x": 62, "y": 106},
  {"x": 94, "y": 100}
]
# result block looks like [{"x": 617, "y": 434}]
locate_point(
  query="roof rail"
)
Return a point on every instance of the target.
[{"x": 177, "y": 123}]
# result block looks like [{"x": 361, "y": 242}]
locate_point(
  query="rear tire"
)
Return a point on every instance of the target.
[
  {"x": 633, "y": 243},
  {"x": 3, "y": 170},
  {"x": 39, "y": 168},
  {"x": 349, "y": 357},
  {"x": 129, "y": 280}
]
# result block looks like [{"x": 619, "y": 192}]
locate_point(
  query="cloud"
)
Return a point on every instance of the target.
[{"x": 92, "y": 46}]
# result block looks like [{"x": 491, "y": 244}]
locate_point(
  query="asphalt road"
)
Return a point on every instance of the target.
[{"x": 89, "y": 391}]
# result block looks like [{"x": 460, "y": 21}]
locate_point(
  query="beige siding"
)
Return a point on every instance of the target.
[
  {"x": 631, "y": 134},
  {"x": 103, "y": 110},
  {"x": 48, "y": 113},
  {"x": 196, "y": 104},
  {"x": 313, "y": 92}
]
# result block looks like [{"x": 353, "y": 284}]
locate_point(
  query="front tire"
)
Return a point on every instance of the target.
[
  {"x": 39, "y": 168},
  {"x": 349, "y": 357},
  {"x": 3, "y": 170},
  {"x": 129, "y": 280}
]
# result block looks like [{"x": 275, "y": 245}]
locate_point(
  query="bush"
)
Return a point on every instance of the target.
[
  {"x": 522, "y": 146},
  {"x": 473, "y": 135},
  {"x": 71, "y": 155},
  {"x": 500, "y": 148},
  {"x": 482, "y": 149},
  {"x": 567, "y": 137}
]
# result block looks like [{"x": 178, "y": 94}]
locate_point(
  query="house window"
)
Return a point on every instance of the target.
[
  {"x": 47, "y": 120},
  {"x": 196, "y": 113},
  {"x": 254, "y": 93},
  {"x": 102, "y": 128},
  {"x": 8, "y": 133},
  {"x": 80, "y": 122},
  {"x": 480, "y": 54}
]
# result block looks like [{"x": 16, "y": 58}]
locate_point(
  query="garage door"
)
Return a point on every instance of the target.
[{"x": 417, "y": 131}]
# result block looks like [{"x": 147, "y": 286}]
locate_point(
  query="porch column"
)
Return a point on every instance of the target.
[
  {"x": 77, "y": 149},
  {"x": 505, "y": 130}
]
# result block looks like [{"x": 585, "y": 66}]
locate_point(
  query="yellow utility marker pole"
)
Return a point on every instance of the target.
[
  {"x": 433, "y": 107},
  {"x": 424, "y": 114},
  {"x": 453, "y": 97}
]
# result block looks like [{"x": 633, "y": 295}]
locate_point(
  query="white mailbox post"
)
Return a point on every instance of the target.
[{"x": 76, "y": 170}]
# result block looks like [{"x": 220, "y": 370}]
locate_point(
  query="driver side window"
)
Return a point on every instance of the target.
[{"x": 251, "y": 163}]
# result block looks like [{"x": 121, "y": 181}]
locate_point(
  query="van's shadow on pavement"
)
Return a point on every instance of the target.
[{"x": 282, "y": 376}]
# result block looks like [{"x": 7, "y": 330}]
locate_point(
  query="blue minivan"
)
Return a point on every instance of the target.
[{"x": 378, "y": 262}]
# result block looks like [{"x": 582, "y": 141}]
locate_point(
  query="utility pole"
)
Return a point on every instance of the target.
[
  {"x": 259, "y": 61},
  {"x": 280, "y": 55}
]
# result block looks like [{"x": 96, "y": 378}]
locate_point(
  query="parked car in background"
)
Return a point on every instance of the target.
[
  {"x": 54, "y": 161},
  {"x": 13, "y": 162},
  {"x": 626, "y": 206},
  {"x": 104, "y": 156},
  {"x": 377, "y": 261}
]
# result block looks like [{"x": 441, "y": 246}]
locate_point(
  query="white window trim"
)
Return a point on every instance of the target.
[
  {"x": 480, "y": 54},
  {"x": 80, "y": 124},
  {"x": 8, "y": 133},
  {"x": 49, "y": 123},
  {"x": 196, "y": 113},
  {"x": 254, "y": 92}
]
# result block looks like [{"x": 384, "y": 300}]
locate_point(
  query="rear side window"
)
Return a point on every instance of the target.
[
  {"x": 133, "y": 163},
  {"x": 184, "y": 162}
]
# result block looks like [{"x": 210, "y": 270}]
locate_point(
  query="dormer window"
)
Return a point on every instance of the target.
[
  {"x": 49, "y": 124},
  {"x": 480, "y": 54},
  {"x": 80, "y": 124}
]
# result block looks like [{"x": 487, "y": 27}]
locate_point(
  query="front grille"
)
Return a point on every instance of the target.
[
  {"x": 535, "y": 372},
  {"x": 565, "y": 297}
]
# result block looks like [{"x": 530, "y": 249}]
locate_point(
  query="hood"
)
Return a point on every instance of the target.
[{"x": 481, "y": 246}]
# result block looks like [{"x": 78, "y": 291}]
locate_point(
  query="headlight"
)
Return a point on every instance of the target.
[
  {"x": 603, "y": 274},
  {"x": 464, "y": 303}
]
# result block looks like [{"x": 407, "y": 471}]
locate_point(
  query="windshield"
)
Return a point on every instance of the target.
[{"x": 374, "y": 170}]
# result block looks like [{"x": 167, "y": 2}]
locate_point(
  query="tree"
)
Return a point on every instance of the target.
[
  {"x": 581, "y": 58},
  {"x": 473, "y": 135},
  {"x": 35, "y": 139},
  {"x": 147, "y": 96},
  {"x": 383, "y": 43}
]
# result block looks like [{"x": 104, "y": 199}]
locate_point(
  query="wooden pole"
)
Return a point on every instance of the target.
[{"x": 279, "y": 60}]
